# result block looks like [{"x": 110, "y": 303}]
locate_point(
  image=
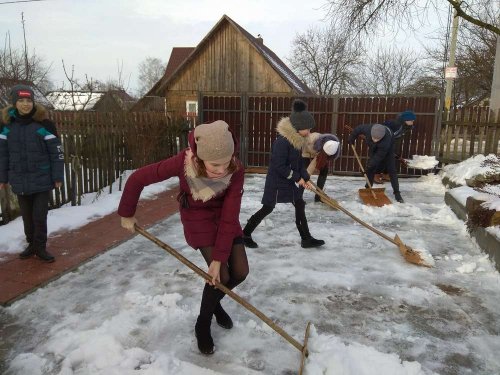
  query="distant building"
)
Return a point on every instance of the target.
[
  {"x": 101, "y": 101},
  {"x": 228, "y": 60},
  {"x": 6, "y": 84}
]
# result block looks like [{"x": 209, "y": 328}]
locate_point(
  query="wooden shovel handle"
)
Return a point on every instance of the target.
[
  {"x": 363, "y": 170},
  {"x": 221, "y": 287}
]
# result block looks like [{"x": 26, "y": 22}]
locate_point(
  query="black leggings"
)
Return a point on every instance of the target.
[
  {"x": 232, "y": 273},
  {"x": 300, "y": 212}
]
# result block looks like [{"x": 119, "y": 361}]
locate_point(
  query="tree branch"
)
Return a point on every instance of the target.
[{"x": 461, "y": 13}]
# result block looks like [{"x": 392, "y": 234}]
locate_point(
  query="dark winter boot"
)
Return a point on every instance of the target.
[
  {"x": 222, "y": 318},
  {"x": 28, "y": 252},
  {"x": 311, "y": 242},
  {"x": 42, "y": 253},
  {"x": 308, "y": 241},
  {"x": 398, "y": 197},
  {"x": 317, "y": 198},
  {"x": 204, "y": 336},
  {"x": 252, "y": 223},
  {"x": 249, "y": 242}
]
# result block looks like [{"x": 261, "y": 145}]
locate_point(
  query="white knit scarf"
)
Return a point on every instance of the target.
[{"x": 203, "y": 188}]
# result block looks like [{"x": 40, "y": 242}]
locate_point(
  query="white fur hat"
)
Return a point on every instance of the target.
[{"x": 331, "y": 147}]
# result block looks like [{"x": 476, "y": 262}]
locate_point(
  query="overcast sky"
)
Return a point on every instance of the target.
[{"x": 96, "y": 35}]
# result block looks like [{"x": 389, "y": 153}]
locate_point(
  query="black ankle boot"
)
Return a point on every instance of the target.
[
  {"x": 222, "y": 318},
  {"x": 311, "y": 242},
  {"x": 28, "y": 252},
  {"x": 44, "y": 255},
  {"x": 204, "y": 336},
  {"x": 249, "y": 242}
]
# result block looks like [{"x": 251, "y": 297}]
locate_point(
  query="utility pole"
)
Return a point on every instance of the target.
[
  {"x": 495, "y": 85},
  {"x": 450, "y": 74}
]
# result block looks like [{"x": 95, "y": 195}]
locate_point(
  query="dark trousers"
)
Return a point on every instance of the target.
[
  {"x": 34, "y": 209},
  {"x": 300, "y": 219},
  {"x": 390, "y": 163}
]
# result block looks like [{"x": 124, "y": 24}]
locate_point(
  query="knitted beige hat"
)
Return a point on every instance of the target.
[{"x": 214, "y": 141}]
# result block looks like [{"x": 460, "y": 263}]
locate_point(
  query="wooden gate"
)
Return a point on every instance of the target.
[{"x": 253, "y": 118}]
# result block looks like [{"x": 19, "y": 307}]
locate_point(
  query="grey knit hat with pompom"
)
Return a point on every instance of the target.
[{"x": 300, "y": 117}]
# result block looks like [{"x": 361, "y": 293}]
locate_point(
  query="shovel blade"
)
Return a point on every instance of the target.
[
  {"x": 409, "y": 254},
  {"x": 379, "y": 200}
]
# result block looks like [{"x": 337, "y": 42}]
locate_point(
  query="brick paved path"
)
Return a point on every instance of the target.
[{"x": 19, "y": 277}]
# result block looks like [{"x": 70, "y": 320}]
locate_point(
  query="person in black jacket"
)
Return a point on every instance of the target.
[
  {"x": 399, "y": 127},
  {"x": 32, "y": 162},
  {"x": 381, "y": 152},
  {"x": 287, "y": 175}
]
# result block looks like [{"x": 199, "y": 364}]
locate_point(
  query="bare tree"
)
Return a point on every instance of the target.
[
  {"x": 73, "y": 94},
  {"x": 367, "y": 15},
  {"x": 19, "y": 65},
  {"x": 474, "y": 60},
  {"x": 325, "y": 59},
  {"x": 389, "y": 71},
  {"x": 150, "y": 71}
]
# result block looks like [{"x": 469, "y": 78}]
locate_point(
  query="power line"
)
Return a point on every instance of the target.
[{"x": 19, "y": 1}]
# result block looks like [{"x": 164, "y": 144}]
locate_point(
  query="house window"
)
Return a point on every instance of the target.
[{"x": 191, "y": 112}]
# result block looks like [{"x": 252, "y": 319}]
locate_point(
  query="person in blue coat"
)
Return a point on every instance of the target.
[
  {"x": 32, "y": 162},
  {"x": 287, "y": 176},
  {"x": 381, "y": 152}
]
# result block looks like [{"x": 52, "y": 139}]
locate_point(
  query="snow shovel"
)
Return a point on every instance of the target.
[
  {"x": 302, "y": 348},
  {"x": 411, "y": 256},
  {"x": 371, "y": 196}
]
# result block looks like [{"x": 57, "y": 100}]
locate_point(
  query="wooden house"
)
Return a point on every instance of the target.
[{"x": 228, "y": 60}]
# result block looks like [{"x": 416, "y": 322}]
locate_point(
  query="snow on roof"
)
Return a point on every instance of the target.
[
  {"x": 291, "y": 77},
  {"x": 74, "y": 101}
]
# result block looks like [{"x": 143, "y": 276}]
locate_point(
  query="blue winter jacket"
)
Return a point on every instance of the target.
[
  {"x": 31, "y": 157},
  {"x": 285, "y": 167}
]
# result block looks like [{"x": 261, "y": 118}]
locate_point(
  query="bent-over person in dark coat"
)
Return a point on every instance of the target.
[
  {"x": 286, "y": 171},
  {"x": 381, "y": 152},
  {"x": 32, "y": 162}
]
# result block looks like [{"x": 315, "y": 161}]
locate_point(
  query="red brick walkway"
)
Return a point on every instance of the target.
[{"x": 19, "y": 277}]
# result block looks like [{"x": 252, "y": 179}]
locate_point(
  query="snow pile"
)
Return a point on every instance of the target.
[
  {"x": 422, "y": 162},
  {"x": 468, "y": 169},
  {"x": 478, "y": 165},
  {"x": 328, "y": 355}
]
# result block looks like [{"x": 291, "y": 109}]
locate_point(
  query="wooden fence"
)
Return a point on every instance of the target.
[
  {"x": 467, "y": 132},
  {"x": 99, "y": 147},
  {"x": 253, "y": 119}
]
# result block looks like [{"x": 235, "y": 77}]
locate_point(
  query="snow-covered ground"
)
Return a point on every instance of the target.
[{"x": 132, "y": 310}]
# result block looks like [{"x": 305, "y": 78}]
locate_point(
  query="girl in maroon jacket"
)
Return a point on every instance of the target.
[{"x": 211, "y": 187}]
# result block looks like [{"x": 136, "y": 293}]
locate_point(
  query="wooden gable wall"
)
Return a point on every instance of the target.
[{"x": 226, "y": 63}]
